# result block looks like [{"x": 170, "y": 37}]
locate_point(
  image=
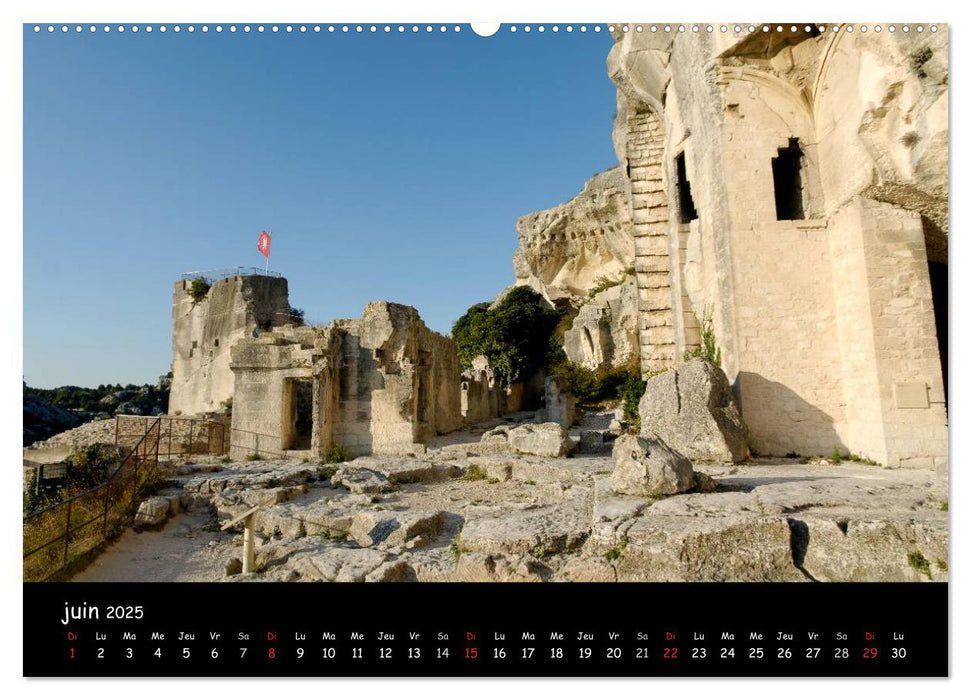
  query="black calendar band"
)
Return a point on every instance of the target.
[{"x": 471, "y": 629}]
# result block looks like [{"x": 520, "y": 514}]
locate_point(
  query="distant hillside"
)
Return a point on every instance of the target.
[
  {"x": 41, "y": 419},
  {"x": 48, "y": 412}
]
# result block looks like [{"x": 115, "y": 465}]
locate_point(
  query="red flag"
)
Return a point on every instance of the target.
[{"x": 264, "y": 244}]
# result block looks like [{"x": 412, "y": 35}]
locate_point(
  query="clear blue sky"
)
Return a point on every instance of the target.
[{"x": 388, "y": 167}]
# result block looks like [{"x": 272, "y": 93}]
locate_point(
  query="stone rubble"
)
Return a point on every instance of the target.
[{"x": 454, "y": 515}]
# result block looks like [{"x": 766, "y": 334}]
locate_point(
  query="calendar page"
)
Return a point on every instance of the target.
[{"x": 520, "y": 349}]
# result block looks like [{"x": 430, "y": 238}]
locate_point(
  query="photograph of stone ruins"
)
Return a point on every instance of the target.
[{"x": 724, "y": 359}]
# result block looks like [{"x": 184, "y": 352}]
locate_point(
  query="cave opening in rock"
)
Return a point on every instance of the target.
[{"x": 787, "y": 178}]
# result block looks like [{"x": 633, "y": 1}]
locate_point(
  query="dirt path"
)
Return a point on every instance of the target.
[{"x": 181, "y": 551}]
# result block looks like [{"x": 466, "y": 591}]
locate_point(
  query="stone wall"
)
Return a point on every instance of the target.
[
  {"x": 203, "y": 333},
  {"x": 263, "y": 367},
  {"x": 480, "y": 392},
  {"x": 901, "y": 408},
  {"x": 790, "y": 381},
  {"x": 382, "y": 384},
  {"x": 649, "y": 213}
]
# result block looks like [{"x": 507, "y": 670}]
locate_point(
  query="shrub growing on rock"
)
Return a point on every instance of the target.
[
  {"x": 607, "y": 383},
  {"x": 336, "y": 454},
  {"x": 631, "y": 392},
  {"x": 198, "y": 289},
  {"x": 708, "y": 349}
]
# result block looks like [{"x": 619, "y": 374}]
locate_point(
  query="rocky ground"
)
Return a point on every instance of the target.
[{"x": 473, "y": 510}]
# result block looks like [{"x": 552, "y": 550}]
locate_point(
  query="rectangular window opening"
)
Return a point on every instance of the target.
[
  {"x": 787, "y": 178},
  {"x": 686, "y": 203}
]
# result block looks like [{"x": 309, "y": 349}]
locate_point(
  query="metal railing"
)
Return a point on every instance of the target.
[
  {"x": 177, "y": 435},
  {"x": 252, "y": 443},
  {"x": 213, "y": 275},
  {"x": 59, "y": 535}
]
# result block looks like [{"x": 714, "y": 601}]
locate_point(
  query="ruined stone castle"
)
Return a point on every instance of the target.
[
  {"x": 381, "y": 384},
  {"x": 787, "y": 190}
]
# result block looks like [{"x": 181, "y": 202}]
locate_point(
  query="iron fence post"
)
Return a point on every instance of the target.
[
  {"x": 104, "y": 529},
  {"x": 67, "y": 532}
]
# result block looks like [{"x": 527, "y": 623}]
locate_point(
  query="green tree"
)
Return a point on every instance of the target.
[
  {"x": 471, "y": 334},
  {"x": 515, "y": 335}
]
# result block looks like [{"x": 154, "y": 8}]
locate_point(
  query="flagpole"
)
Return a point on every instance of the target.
[{"x": 267, "y": 271}]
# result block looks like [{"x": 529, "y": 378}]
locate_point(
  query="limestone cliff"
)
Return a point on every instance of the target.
[
  {"x": 604, "y": 333},
  {"x": 788, "y": 189},
  {"x": 564, "y": 251}
]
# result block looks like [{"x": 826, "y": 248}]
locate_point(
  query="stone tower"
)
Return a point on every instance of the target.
[{"x": 204, "y": 330}]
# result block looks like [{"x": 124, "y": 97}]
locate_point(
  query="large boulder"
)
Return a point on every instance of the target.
[
  {"x": 693, "y": 410},
  {"x": 648, "y": 467},
  {"x": 153, "y": 512},
  {"x": 542, "y": 440}
]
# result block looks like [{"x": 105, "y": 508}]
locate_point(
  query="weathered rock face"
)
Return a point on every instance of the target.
[
  {"x": 693, "y": 410},
  {"x": 564, "y": 250},
  {"x": 726, "y": 548},
  {"x": 869, "y": 550},
  {"x": 543, "y": 440},
  {"x": 604, "y": 332},
  {"x": 521, "y": 531},
  {"x": 648, "y": 467},
  {"x": 549, "y": 519},
  {"x": 406, "y": 470},
  {"x": 391, "y": 529},
  {"x": 783, "y": 186}
]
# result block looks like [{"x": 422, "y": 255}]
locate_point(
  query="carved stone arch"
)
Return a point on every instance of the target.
[
  {"x": 779, "y": 120},
  {"x": 770, "y": 81}
]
